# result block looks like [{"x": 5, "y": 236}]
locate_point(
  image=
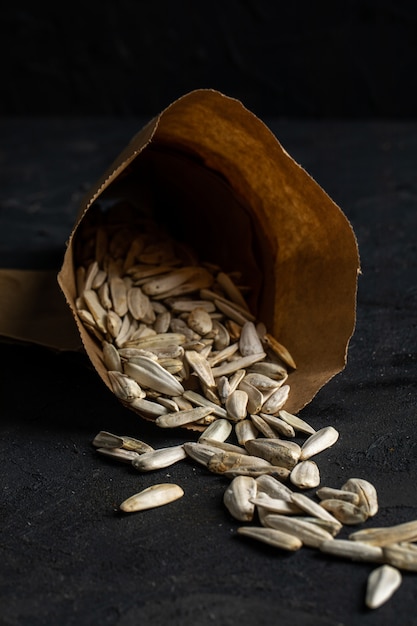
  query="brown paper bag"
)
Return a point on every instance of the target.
[{"x": 219, "y": 179}]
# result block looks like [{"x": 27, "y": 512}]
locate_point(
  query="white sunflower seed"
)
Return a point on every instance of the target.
[
  {"x": 160, "y": 458},
  {"x": 280, "y": 350},
  {"x": 272, "y": 537},
  {"x": 111, "y": 357},
  {"x": 382, "y": 583},
  {"x": 356, "y": 551},
  {"x": 312, "y": 508},
  {"x": 179, "y": 418},
  {"x": 201, "y": 367},
  {"x": 237, "y": 498},
  {"x": 119, "y": 454},
  {"x": 124, "y": 387},
  {"x": 296, "y": 422},
  {"x": 200, "y": 321},
  {"x": 236, "y": 405},
  {"x": 237, "y": 364},
  {"x": 275, "y": 505},
  {"x": 366, "y": 492},
  {"x": 230, "y": 289},
  {"x": 327, "y": 493},
  {"x": 276, "y": 451},
  {"x": 402, "y": 555},
  {"x": 218, "y": 430},
  {"x": 346, "y": 512},
  {"x": 277, "y": 400},
  {"x": 321, "y": 440},
  {"x": 200, "y": 400},
  {"x": 104, "y": 439},
  {"x": 149, "y": 373},
  {"x": 310, "y": 534},
  {"x": 152, "y": 497},
  {"x": 262, "y": 426},
  {"x": 245, "y": 430},
  {"x": 249, "y": 342},
  {"x": 305, "y": 475},
  {"x": 384, "y": 536}
]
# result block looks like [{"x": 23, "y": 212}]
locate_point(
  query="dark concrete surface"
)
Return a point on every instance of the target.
[{"x": 67, "y": 557}]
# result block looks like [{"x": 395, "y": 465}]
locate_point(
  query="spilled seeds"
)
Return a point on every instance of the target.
[{"x": 182, "y": 349}]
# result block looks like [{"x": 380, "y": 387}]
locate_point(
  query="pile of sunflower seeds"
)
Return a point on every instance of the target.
[
  {"x": 181, "y": 348},
  {"x": 177, "y": 338}
]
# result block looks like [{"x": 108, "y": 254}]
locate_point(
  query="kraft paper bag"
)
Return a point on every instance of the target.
[{"x": 218, "y": 179}]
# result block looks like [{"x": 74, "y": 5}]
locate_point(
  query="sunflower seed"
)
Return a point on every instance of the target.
[
  {"x": 124, "y": 387},
  {"x": 179, "y": 418},
  {"x": 330, "y": 527},
  {"x": 280, "y": 473},
  {"x": 111, "y": 357},
  {"x": 138, "y": 303},
  {"x": 305, "y": 475},
  {"x": 245, "y": 430},
  {"x": 151, "y": 497},
  {"x": 310, "y": 534},
  {"x": 97, "y": 311},
  {"x": 237, "y": 498},
  {"x": 255, "y": 398},
  {"x": 200, "y": 400},
  {"x": 382, "y": 583},
  {"x": 218, "y": 430},
  {"x": 149, "y": 373},
  {"x": 136, "y": 445},
  {"x": 200, "y": 452},
  {"x": 321, "y": 440},
  {"x": 367, "y": 494},
  {"x": 356, "y": 551},
  {"x": 276, "y": 401},
  {"x": 386, "y": 535},
  {"x": 280, "y": 350},
  {"x": 296, "y": 422},
  {"x": 118, "y": 294},
  {"x": 223, "y": 461},
  {"x": 312, "y": 508},
  {"x": 345, "y": 512},
  {"x": 327, "y": 493},
  {"x": 147, "y": 408},
  {"x": 200, "y": 321},
  {"x": 232, "y": 292},
  {"x": 249, "y": 342},
  {"x": 237, "y": 364},
  {"x": 275, "y": 505},
  {"x": 276, "y": 451},
  {"x": 279, "y": 425},
  {"x": 273, "y": 488},
  {"x": 236, "y": 405},
  {"x": 119, "y": 454},
  {"x": 201, "y": 367},
  {"x": 272, "y": 537},
  {"x": 270, "y": 369},
  {"x": 402, "y": 555},
  {"x": 104, "y": 439},
  {"x": 160, "y": 458},
  {"x": 262, "y": 426},
  {"x": 223, "y": 446}
]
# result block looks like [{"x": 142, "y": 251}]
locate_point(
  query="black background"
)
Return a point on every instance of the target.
[
  {"x": 335, "y": 83},
  {"x": 300, "y": 58}
]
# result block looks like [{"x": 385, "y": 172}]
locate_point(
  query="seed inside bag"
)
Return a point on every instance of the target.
[{"x": 174, "y": 326}]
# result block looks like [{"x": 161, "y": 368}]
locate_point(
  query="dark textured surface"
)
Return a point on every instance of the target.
[
  {"x": 300, "y": 58},
  {"x": 66, "y": 555}
]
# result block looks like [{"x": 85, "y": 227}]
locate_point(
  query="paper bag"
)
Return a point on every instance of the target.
[{"x": 218, "y": 179}]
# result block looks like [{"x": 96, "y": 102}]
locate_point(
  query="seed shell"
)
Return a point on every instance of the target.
[{"x": 152, "y": 497}]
